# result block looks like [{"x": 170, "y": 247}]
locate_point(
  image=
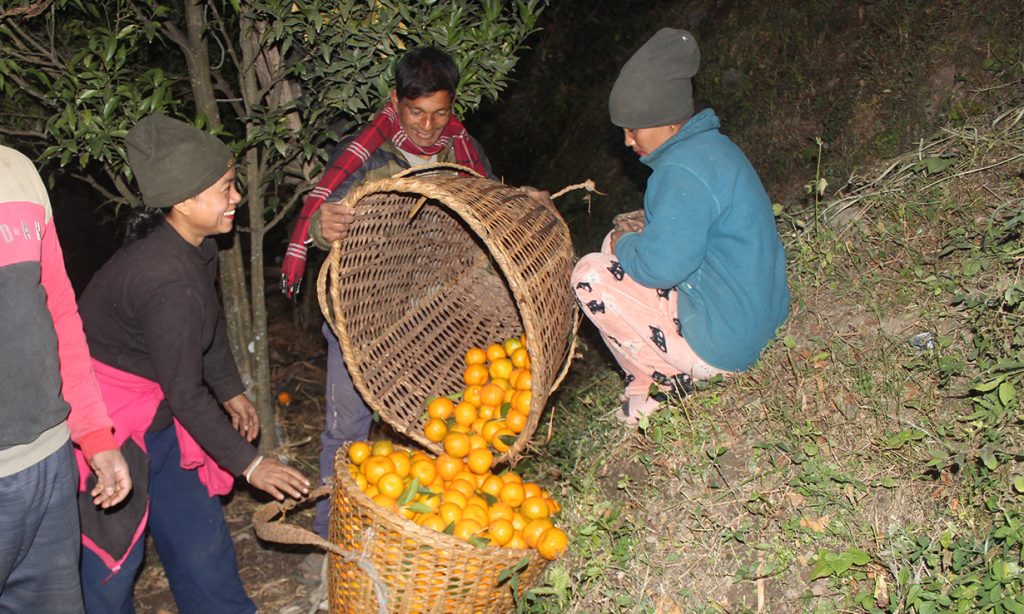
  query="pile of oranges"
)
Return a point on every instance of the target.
[
  {"x": 492, "y": 410},
  {"x": 459, "y": 497}
]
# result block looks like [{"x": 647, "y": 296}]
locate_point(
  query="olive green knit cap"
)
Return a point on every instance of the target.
[
  {"x": 654, "y": 87},
  {"x": 173, "y": 161}
]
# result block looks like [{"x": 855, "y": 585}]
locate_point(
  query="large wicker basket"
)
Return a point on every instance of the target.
[
  {"x": 417, "y": 569},
  {"x": 378, "y": 561},
  {"x": 433, "y": 265}
]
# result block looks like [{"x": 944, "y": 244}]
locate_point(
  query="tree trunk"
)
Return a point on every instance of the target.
[
  {"x": 237, "y": 312},
  {"x": 249, "y": 43}
]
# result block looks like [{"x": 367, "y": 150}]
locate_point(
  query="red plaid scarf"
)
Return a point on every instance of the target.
[{"x": 384, "y": 126}]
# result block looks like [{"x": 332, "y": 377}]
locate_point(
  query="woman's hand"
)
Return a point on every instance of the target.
[
  {"x": 113, "y": 481},
  {"x": 243, "y": 416},
  {"x": 276, "y": 478}
]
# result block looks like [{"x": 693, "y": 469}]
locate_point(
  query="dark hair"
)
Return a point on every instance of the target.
[
  {"x": 141, "y": 221},
  {"x": 425, "y": 70}
]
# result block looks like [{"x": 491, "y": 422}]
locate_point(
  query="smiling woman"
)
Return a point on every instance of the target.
[{"x": 153, "y": 322}]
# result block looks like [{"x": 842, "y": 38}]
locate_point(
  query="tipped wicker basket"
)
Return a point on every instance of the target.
[{"x": 433, "y": 265}]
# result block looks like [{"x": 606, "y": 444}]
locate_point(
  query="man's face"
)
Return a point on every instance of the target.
[{"x": 425, "y": 117}]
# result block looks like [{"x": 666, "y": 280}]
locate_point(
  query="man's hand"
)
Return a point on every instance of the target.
[
  {"x": 541, "y": 196},
  {"x": 632, "y": 221},
  {"x": 243, "y": 416},
  {"x": 277, "y": 479},
  {"x": 335, "y": 221},
  {"x": 113, "y": 482}
]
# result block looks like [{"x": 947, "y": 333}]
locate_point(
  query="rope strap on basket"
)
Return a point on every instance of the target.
[{"x": 284, "y": 533}]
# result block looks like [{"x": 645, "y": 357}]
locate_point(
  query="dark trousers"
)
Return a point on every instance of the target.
[
  {"x": 191, "y": 537},
  {"x": 39, "y": 537}
]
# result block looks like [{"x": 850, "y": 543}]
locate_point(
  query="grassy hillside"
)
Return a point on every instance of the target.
[{"x": 874, "y": 459}]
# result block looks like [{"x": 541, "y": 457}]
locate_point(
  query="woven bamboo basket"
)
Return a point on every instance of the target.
[
  {"x": 433, "y": 265},
  {"x": 418, "y": 569},
  {"x": 378, "y": 561}
]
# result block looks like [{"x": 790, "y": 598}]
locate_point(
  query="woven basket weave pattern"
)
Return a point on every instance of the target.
[
  {"x": 406, "y": 294},
  {"x": 421, "y": 570}
]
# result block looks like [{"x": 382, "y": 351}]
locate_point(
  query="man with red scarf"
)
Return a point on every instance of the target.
[{"x": 415, "y": 127}]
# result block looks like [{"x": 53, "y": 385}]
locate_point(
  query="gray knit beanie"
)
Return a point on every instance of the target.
[
  {"x": 174, "y": 161},
  {"x": 654, "y": 87}
]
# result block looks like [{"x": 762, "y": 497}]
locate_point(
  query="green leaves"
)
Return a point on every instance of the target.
[{"x": 836, "y": 564}]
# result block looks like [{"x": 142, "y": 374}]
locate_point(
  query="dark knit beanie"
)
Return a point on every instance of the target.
[
  {"x": 173, "y": 161},
  {"x": 654, "y": 87}
]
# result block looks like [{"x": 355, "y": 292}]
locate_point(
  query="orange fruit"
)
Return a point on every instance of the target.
[
  {"x": 385, "y": 501},
  {"x": 424, "y": 471},
  {"x": 511, "y": 345},
  {"x": 552, "y": 543},
  {"x": 284, "y": 398},
  {"x": 475, "y": 375},
  {"x": 431, "y": 501},
  {"x": 474, "y": 429},
  {"x": 432, "y": 521},
  {"x": 532, "y": 490},
  {"x": 359, "y": 451},
  {"x": 475, "y": 512},
  {"x": 553, "y": 506},
  {"x": 479, "y": 460},
  {"x": 376, "y": 466},
  {"x": 477, "y": 442},
  {"x": 512, "y": 494},
  {"x": 465, "y": 413},
  {"x": 471, "y": 395},
  {"x": 520, "y": 358},
  {"x": 495, "y": 352},
  {"x": 448, "y": 466},
  {"x": 466, "y": 528},
  {"x": 518, "y": 521},
  {"x": 390, "y": 484},
  {"x": 466, "y": 488},
  {"x": 402, "y": 463},
  {"x": 467, "y": 476},
  {"x": 449, "y": 512},
  {"x": 500, "y": 531},
  {"x": 457, "y": 445},
  {"x": 501, "y": 439},
  {"x": 534, "y": 508},
  {"x": 525, "y": 380},
  {"x": 383, "y": 447},
  {"x": 502, "y": 383},
  {"x": 475, "y": 356},
  {"x": 511, "y": 476},
  {"x": 515, "y": 421},
  {"x": 534, "y": 529},
  {"x": 492, "y": 394},
  {"x": 509, "y": 393},
  {"x": 487, "y": 412},
  {"x": 455, "y": 496},
  {"x": 487, "y": 432},
  {"x": 500, "y": 369},
  {"x": 361, "y": 481},
  {"x": 500, "y": 510},
  {"x": 441, "y": 407},
  {"x": 522, "y": 402},
  {"x": 435, "y": 430},
  {"x": 492, "y": 486},
  {"x": 517, "y": 542}
]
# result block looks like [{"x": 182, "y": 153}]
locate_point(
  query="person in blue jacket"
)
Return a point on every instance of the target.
[{"x": 696, "y": 287}]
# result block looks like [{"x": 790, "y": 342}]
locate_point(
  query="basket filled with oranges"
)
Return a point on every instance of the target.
[
  {"x": 434, "y": 266},
  {"x": 434, "y": 533}
]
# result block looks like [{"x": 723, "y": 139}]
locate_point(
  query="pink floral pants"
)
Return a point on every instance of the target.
[{"x": 639, "y": 325}]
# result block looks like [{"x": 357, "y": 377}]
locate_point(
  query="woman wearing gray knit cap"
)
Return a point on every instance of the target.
[
  {"x": 153, "y": 322},
  {"x": 697, "y": 286}
]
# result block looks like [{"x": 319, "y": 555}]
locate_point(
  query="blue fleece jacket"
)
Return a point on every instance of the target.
[{"x": 710, "y": 234}]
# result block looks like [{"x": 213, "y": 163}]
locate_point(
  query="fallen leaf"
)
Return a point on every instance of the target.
[{"x": 817, "y": 525}]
